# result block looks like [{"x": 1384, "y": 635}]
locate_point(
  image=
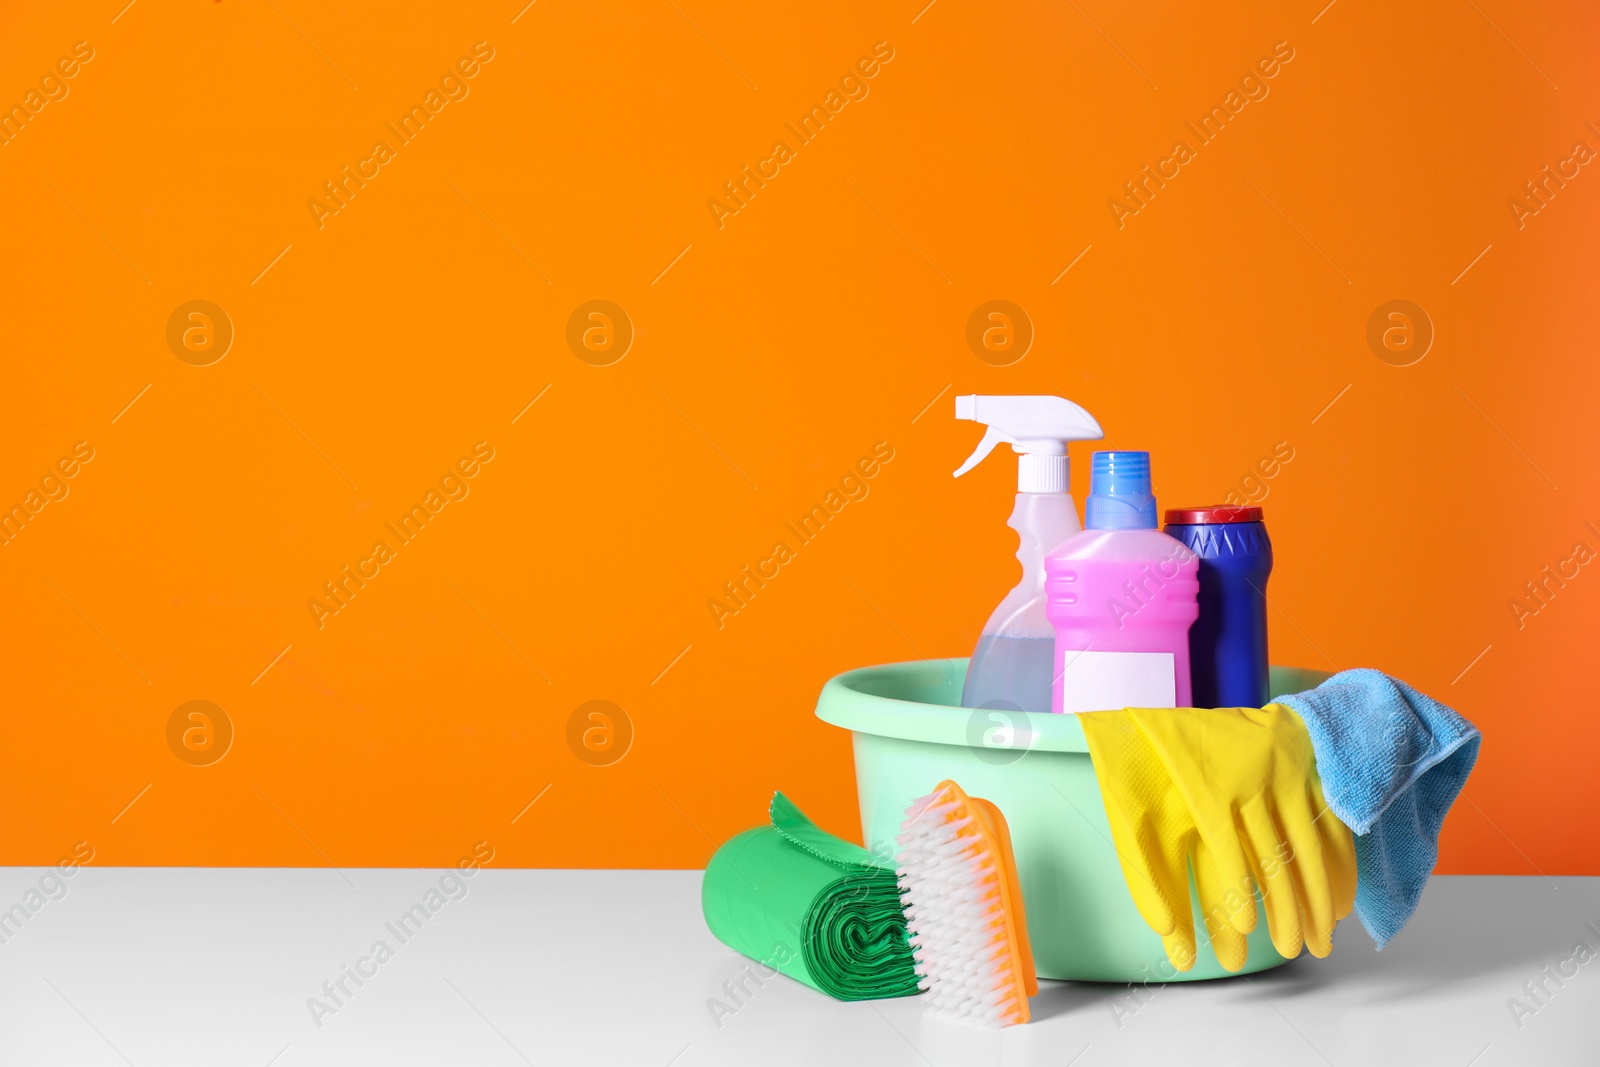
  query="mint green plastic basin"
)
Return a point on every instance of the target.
[{"x": 910, "y": 733}]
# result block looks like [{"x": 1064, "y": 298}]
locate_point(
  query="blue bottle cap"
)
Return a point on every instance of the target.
[{"x": 1119, "y": 493}]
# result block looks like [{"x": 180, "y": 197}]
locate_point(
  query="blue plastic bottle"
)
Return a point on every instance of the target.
[{"x": 1228, "y": 643}]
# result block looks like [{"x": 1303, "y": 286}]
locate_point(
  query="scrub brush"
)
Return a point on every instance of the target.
[{"x": 963, "y": 908}]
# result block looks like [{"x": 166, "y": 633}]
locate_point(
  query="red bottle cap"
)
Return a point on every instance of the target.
[{"x": 1213, "y": 513}]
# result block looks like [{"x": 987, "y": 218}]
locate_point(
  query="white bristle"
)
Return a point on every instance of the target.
[{"x": 948, "y": 886}]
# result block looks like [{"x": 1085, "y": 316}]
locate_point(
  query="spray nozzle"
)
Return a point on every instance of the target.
[{"x": 1037, "y": 427}]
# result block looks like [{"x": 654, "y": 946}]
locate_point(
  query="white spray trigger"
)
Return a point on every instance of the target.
[
  {"x": 1037, "y": 427},
  {"x": 991, "y": 437}
]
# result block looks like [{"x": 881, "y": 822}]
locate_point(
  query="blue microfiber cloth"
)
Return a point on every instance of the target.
[{"x": 1392, "y": 761}]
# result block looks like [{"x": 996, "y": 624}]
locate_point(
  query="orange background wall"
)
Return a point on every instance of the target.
[{"x": 769, "y": 354}]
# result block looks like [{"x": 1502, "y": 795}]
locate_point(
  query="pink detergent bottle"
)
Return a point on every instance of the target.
[{"x": 1121, "y": 596}]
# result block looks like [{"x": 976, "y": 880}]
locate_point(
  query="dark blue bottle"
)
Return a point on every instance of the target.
[{"x": 1228, "y": 642}]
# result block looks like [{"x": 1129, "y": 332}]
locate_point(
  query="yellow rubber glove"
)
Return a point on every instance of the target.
[
  {"x": 1234, "y": 793},
  {"x": 1249, "y": 779},
  {"x": 1157, "y": 842}
]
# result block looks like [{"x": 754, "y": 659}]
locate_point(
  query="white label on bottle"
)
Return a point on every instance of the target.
[{"x": 1104, "y": 681}]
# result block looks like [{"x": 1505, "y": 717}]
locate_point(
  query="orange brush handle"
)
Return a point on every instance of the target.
[{"x": 998, "y": 836}]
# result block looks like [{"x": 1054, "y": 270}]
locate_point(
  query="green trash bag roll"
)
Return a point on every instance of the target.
[{"x": 817, "y": 908}]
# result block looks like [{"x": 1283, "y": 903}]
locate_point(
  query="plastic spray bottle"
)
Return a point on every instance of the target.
[
  {"x": 1012, "y": 666},
  {"x": 1122, "y": 596}
]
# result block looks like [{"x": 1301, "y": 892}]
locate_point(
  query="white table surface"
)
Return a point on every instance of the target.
[{"x": 175, "y": 966}]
